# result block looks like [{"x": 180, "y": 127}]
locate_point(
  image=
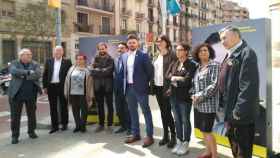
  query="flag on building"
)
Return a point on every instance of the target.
[
  {"x": 173, "y": 7},
  {"x": 54, "y": 3}
]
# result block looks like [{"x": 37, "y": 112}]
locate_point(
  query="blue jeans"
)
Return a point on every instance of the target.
[
  {"x": 133, "y": 99},
  {"x": 181, "y": 111}
]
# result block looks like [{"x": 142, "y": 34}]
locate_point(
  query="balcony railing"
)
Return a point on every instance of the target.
[
  {"x": 151, "y": 3},
  {"x": 126, "y": 12},
  {"x": 104, "y": 7},
  {"x": 83, "y": 28},
  {"x": 107, "y": 7},
  {"x": 82, "y": 2},
  {"x": 139, "y": 16}
]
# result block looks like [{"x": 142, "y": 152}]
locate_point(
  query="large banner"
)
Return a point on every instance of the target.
[
  {"x": 258, "y": 36},
  {"x": 87, "y": 45}
]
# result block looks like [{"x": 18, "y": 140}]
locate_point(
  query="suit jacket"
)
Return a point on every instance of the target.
[
  {"x": 143, "y": 72},
  {"x": 241, "y": 94},
  {"x": 118, "y": 75},
  {"x": 19, "y": 74},
  {"x": 48, "y": 72},
  {"x": 103, "y": 68}
]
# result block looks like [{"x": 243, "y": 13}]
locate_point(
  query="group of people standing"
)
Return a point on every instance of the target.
[{"x": 180, "y": 80}]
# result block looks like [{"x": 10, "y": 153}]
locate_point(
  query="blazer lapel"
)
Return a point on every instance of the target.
[
  {"x": 61, "y": 66},
  {"x": 51, "y": 68},
  {"x": 136, "y": 60}
]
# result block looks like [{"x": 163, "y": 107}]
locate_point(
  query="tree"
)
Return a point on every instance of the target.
[{"x": 35, "y": 21}]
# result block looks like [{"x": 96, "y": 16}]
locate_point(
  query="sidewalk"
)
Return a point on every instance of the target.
[{"x": 88, "y": 145}]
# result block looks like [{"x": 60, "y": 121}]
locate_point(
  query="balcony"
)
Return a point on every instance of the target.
[
  {"x": 82, "y": 2},
  {"x": 83, "y": 28},
  {"x": 126, "y": 12},
  {"x": 108, "y": 8},
  {"x": 151, "y": 4},
  {"x": 139, "y": 16},
  {"x": 96, "y": 7}
]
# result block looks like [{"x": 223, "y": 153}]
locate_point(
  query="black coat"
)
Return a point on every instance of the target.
[
  {"x": 182, "y": 91},
  {"x": 48, "y": 72},
  {"x": 103, "y": 68},
  {"x": 241, "y": 94},
  {"x": 168, "y": 60}
]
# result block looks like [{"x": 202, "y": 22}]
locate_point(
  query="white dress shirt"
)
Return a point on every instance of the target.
[
  {"x": 56, "y": 69},
  {"x": 158, "y": 65},
  {"x": 130, "y": 66}
]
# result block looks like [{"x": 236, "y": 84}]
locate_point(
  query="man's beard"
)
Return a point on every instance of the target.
[
  {"x": 133, "y": 49},
  {"x": 102, "y": 53}
]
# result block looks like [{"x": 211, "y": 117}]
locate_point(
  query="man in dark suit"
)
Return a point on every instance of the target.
[
  {"x": 239, "y": 88},
  {"x": 23, "y": 89},
  {"x": 103, "y": 68},
  {"x": 55, "y": 71},
  {"x": 120, "y": 101},
  {"x": 138, "y": 72}
]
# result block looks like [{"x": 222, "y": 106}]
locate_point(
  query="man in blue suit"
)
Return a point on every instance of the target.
[
  {"x": 120, "y": 100},
  {"x": 138, "y": 71}
]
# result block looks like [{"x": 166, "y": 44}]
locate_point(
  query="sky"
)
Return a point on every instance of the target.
[{"x": 257, "y": 8}]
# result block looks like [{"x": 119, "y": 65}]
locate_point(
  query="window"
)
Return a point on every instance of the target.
[
  {"x": 105, "y": 25},
  {"x": 82, "y": 2},
  {"x": 82, "y": 18},
  {"x": 124, "y": 3},
  {"x": 150, "y": 27},
  {"x": 175, "y": 35},
  {"x": 150, "y": 14},
  {"x": 124, "y": 24},
  {"x": 7, "y": 9},
  {"x": 167, "y": 32},
  {"x": 138, "y": 27}
]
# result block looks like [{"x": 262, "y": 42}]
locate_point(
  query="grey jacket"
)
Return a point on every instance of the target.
[{"x": 19, "y": 74}]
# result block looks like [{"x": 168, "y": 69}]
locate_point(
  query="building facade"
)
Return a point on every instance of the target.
[
  {"x": 205, "y": 12},
  {"x": 11, "y": 41},
  {"x": 233, "y": 12},
  {"x": 81, "y": 18}
]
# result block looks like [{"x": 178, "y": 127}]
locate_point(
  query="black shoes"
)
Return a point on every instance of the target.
[
  {"x": 64, "y": 127},
  {"x": 14, "y": 140},
  {"x": 33, "y": 135},
  {"x": 172, "y": 142},
  {"x": 163, "y": 141},
  {"x": 53, "y": 130},
  {"x": 76, "y": 130},
  {"x": 82, "y": 130}
]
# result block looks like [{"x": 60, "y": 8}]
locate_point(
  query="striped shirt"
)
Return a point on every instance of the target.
[{"x": 205, "y": 86}]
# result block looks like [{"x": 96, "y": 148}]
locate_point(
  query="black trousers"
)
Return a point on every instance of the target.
[
  {"x": 122, "y": 109},
  {"x": 241, "y": 138},
  {"x": 16, "y": 108},
  {"x": 55, "y": 94},
  {"x": 165, "y": 111},
  {"x": 79, "y": 109},
  {"x": 108, "y": 96}
]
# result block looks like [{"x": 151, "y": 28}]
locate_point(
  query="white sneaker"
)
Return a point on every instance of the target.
[
  {"x": 177, "y": 146},
  {"x": 184, "y": 148}
]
